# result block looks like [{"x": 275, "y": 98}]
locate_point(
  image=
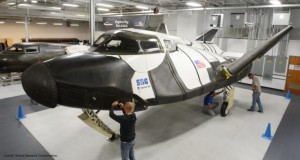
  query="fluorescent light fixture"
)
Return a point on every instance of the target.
[
  {"x": 1, "y": 22},
  {"x": 55, "y": 8},
  {"x": 20, "y": 22},
  {"x": 141, "y": 7},
  {"x": 41, "y": 23},
  {"x": 193, "y": 4},
  {"x": 105, "y": 5},
  {"x": 57, "y": 24},
  {"x": 11, "y": 3},
  {"x": 74, "y": 25},
  {"x": 33, "y": 1},
  {"x": 70, "y": 5},
  {"x": 103, "y": 9},
  {"x": 80, "y": 15},
  {"x": 275, "y": 2},
  {"x": 38, "y": 7},
  {"x": 24, "y": 5}
]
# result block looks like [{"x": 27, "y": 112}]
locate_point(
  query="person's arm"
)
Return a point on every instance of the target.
[
  {"x": 112, "y": 113},
  {"x": 219, "y": 92}
]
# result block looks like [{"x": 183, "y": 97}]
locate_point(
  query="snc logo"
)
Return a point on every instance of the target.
[{"x": 140, "y": 82}]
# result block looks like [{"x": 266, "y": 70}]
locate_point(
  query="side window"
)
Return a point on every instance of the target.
[
  {"x": 32, "y": 49},
  {"x": 170, "y": 46},
  {"x": 151, "y": 46}
]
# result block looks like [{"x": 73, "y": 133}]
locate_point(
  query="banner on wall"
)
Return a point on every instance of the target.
[{"x": 110, "y": 23}]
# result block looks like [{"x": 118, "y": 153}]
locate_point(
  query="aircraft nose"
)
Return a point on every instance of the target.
[{"x": 40, "y": 85}]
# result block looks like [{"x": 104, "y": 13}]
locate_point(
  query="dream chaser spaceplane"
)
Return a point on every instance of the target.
[
  {"x": 22, "y": 55},
  {"x": 148, "y": 67}
]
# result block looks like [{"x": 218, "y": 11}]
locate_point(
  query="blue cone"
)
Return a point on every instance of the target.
[
  {"x": 267, "y": 134},
  {"x": 20, "y": 113},
  {"x": 288, "y": 95}
]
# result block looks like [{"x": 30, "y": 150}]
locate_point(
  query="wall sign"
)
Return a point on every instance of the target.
[{"x": 111, "y": 23}]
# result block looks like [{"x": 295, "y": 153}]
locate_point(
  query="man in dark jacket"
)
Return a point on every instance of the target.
[{"x": 127, "y": 128}]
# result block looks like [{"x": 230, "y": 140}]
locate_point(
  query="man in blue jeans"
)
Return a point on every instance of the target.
[
  {"x": 256, "y": 94},
  {"x": 127, "y": 128}
]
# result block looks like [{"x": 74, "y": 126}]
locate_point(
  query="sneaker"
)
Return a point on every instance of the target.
[
  {"x": 260, "y": 111},
  {"x": 251, "y": 110},
  {"x": 211, "y": 112}
]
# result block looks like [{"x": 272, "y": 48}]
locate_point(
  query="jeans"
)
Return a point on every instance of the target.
[
  {"x": 214, "y": 106},
  {"x": 256, "y": 99},
  {"x": 127, "y": 152},
  {"x": 210, "y": 111}
]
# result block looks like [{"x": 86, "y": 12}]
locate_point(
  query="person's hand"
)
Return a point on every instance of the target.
[
  {"x": 121, "y": 105},
  {"x": 115, "y": 103}
]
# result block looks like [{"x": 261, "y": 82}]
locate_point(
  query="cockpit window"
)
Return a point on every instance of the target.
[
  {"x": 15, "y": 49},
  {"x": 151, "y": 46},
  {"x": 119, "y": 45},
  {"x": 101, "y": 39}
]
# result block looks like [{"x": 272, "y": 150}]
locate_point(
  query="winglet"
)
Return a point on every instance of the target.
[
  {"x": 238, "y": 65},
  {"x": 208, "y": 36},
  {"x": 162, "y": 28}
]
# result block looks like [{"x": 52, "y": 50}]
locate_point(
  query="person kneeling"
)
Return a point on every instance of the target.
[{"x": 209, "y": 105}]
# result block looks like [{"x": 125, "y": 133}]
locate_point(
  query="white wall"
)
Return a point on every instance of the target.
[
  {"x": 293, "y": 48},
  {"x": 187, "y": 25},
  {"x": 171, "y": 22},
  {"x": 237, "y": 45},
  {"x": 10, "y": 29}
]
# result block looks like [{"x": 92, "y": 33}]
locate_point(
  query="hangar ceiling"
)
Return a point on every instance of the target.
[{"x": 79, "y": 9}]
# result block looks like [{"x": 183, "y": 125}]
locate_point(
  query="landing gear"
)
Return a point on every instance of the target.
[
  {"x": 224, "y": 109},
  {"x": 91, "y": 119},
  {"x": 228, "y": 97}
]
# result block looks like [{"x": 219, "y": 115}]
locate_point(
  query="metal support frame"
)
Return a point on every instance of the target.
[
  {"x": 92, "y": 21},
  {"x": 91, "y": 119}
]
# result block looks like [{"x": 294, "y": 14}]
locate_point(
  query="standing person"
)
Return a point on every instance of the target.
[
  {"x": 256, "y": 94},
  {"x": 209, "y": 105},
  {"x": 127, "y": 128}
]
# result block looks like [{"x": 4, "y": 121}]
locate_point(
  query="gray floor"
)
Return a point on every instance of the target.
[
  {"x": 286, "y": 144},
  {"x": 16, "y": 141},
  {"x": 173, "y": 131},
  {"x": 159, "y": 127}
]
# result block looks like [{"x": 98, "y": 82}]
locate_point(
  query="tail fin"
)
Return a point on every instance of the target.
[
  {"x": 208, "y": 36},
  {"x": 238, "y": 65},
  {"x": 162, "y": 28}
]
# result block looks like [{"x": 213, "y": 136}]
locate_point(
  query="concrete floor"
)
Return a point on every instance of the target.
[{"x": 173, "y": 131}]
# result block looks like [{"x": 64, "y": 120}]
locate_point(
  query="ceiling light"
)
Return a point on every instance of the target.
[
  {"x": 57, "y": 24},
  {"x": 11, "y": 3},
  {"x": 105, "y": 5},
  {"x": 55, "y": 8},
  {"x": 80, "y": 15},
  {"x": 103, "y": 9},
  {"x": 24, "y": 5},
  {"x": 54, "y": 13},
  {"x": 74, "y": 25},
  {"x": 141, "y": 7},
  {"x": 193, "y": 4},
  {"x": 275, "y": 2},
  {"x": 41, "y": 23},
  {"x": 20, "y": 22},
  {"x": 33, "y": 1},
  {"x": 1, "y": 22},
  {"x": 70, "y": 5}
]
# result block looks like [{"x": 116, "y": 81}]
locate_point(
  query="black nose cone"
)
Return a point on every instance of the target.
[{"x": 39, "y": 85}]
